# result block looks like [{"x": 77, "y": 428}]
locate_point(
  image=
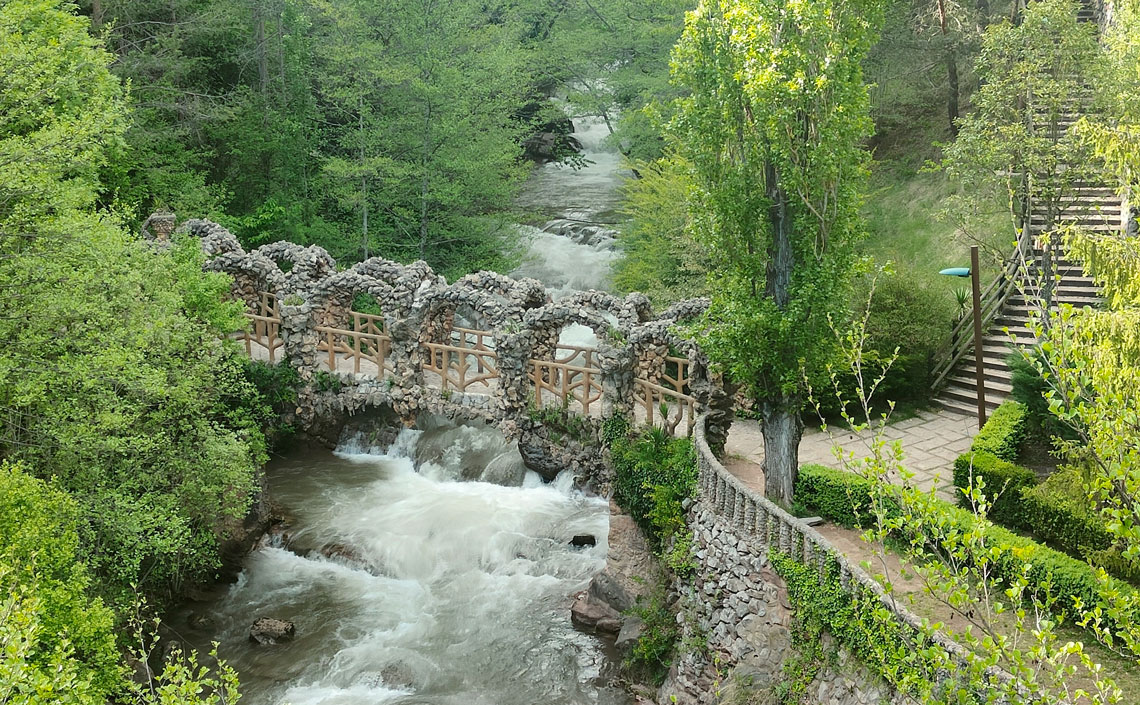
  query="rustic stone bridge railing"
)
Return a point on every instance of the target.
[
  {"x": 484, "y": 347},
  {"x": 736, "y": 529}
]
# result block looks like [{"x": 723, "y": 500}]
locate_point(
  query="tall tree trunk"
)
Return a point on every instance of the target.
[
  {"x": 425, "y": 183},
  {"x": 951, "y": 60},
  {"x": 96, "y": 15},
  {"x": 783, "y": 429},
  {"x": 952, "y": 90},
  {"x": 780, "y": 418},
  {"x": 363, "y": 182},
  {"x": 259, "y": 43}
]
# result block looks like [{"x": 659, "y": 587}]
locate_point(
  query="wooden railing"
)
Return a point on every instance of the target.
[
  {"x": 356, "y": 346},
  {"x": 752, "y": 517},
  {"x": 994, "y": 298},
  {"x": 264, "y": 327},
  {"x": 568, "y": 384},
  {"x": 668, "y": 397},
  {"x": 460, "y": 367}
]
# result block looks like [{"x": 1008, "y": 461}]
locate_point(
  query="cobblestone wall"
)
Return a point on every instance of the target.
[{"x": 418, "y": 306}]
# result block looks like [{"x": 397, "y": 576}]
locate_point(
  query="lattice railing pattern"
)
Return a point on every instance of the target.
[{"x": 264, "y": 328}]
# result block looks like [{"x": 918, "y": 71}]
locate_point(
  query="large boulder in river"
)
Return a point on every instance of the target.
[
  {"x": 592, "y": 616},
  {"x": 267, "y": 631}
]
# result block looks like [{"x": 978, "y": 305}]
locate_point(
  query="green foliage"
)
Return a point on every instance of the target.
[
  {"x": 1059, "y": 512},
  {"x": 1031, "y": 73},
  {"x": 774, "y": 125},
  {"x": 1031, "y": 391},
  {"x": 561, "y": 422},
  {"x": 1003, "y": 480},
  {"x": 276, "y": 396},
  {"x": 56, "y": 618},
  {"x": 113, "y": 377},
  {"x": 652, "y": 655},
  {"x": 858, "y": 621},
  {"x": 1054, "y": 574},
  {"x": 1003, "y": 433},
  {"x": 653, "y": 474},
  {"x": 659, "y": 256},
  {"x": 899, "y": 342},
  {"x": 31, "y": 678},
  {"x": 838, "y": 496}
]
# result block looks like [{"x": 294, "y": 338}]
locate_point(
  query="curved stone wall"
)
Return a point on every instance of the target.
[{"x": 740, "y": 601}]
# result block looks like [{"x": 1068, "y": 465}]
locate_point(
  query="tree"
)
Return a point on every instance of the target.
[
  {"x": 115, "y": 380},
  {"x": 774, "y": 128},
  {"x": 1017, "y": 139}
]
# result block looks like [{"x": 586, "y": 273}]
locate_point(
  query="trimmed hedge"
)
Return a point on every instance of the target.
[
  {"x": 1002, "y": 478},
  {"x": 1058, "y": 510},
  {"x": 822, "y": 489},
  {"x": 1004, "y": 432}
]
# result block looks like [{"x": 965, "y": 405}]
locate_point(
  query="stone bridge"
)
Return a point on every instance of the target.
[{"x": 486, "y": 347}]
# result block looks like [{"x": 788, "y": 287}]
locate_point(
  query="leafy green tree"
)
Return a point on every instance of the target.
[
  {"x": 114, "y": 378},
  {"x": 54, "y": 616},
  {"x": 1016, "y": 140},
  {"x": 774, "y": 128},
  {"x": 660, "y": 257}
]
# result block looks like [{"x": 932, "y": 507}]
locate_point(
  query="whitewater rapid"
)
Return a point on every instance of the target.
[{"x": 411, "y": 585}]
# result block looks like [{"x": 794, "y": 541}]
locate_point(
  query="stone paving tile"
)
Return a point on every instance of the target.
[{"x": 931, "y": 441}]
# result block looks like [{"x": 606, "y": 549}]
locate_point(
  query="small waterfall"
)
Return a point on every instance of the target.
[{"x": 408, "y": 584}]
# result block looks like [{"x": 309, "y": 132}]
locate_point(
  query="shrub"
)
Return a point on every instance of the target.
[
  {"x": 1058, "y": 511},
  {"x": 1029, "y": 390},
  {"x": 1003, "y": 483},
  {"x": 39, "y": 544},
  {"x": 653, "y": 473},
  {"x": 841, "y": 497},
  {"x": 1004, "y": 432},
  {"x": 1053, "y": 572}
]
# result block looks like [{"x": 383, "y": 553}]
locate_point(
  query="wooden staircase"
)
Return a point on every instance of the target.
[{"x": 1009, "y": 330}]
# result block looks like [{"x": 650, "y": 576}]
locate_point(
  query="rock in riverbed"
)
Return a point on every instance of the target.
[{"x": 267, "y": 631}]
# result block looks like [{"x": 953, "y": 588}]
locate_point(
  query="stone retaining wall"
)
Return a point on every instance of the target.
[{"x": 738, "y": 604}]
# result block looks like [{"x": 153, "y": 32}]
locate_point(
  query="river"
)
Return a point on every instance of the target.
[{"x": 438, "y": 570}]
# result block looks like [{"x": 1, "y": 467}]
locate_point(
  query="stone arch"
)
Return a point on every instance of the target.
[
  {"x": 307, "y": 265},
  {"x": 253, "y": 277},
  {"x": 684, "y": 311},
  {"x": 668, "y": 370},
  {"x": 523, "y": 294},
  {"x": 461, "y": 356},
  {"x": 215, "y": 239},
  {"x": 332, "y": 298}
]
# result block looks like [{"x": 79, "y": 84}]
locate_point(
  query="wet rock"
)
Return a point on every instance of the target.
[
  {"x": 630, "y": 632},
  {"x": 592, "y": 616},
  {"x": 397, "y": 675},
  {"x": 267, "y": 631},
  {"x": 535, "y": 458},
  {"x": 607, "y": 589},
  {"x": 583, "y": 541},
  {"x": 199, "y": 621}
]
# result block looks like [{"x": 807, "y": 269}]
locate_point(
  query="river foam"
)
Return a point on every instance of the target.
[{"x": 409, "y": 586}]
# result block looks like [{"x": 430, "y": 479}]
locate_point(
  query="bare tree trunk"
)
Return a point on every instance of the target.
[
  {"x": 783, "y": 429},
  {"x": 953, "y": 90},
  {"x": 363, "y": 183},
  {"x": 425, "y": 183},
  {"x": 259, "y": 42},
  {"x": 96, "y": 15}
]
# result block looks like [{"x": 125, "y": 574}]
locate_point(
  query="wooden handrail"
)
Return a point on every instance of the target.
[{"x": 994, "y": 298}]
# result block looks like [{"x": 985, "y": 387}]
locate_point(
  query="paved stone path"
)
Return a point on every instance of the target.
[{"x": 931, "y": 442}]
